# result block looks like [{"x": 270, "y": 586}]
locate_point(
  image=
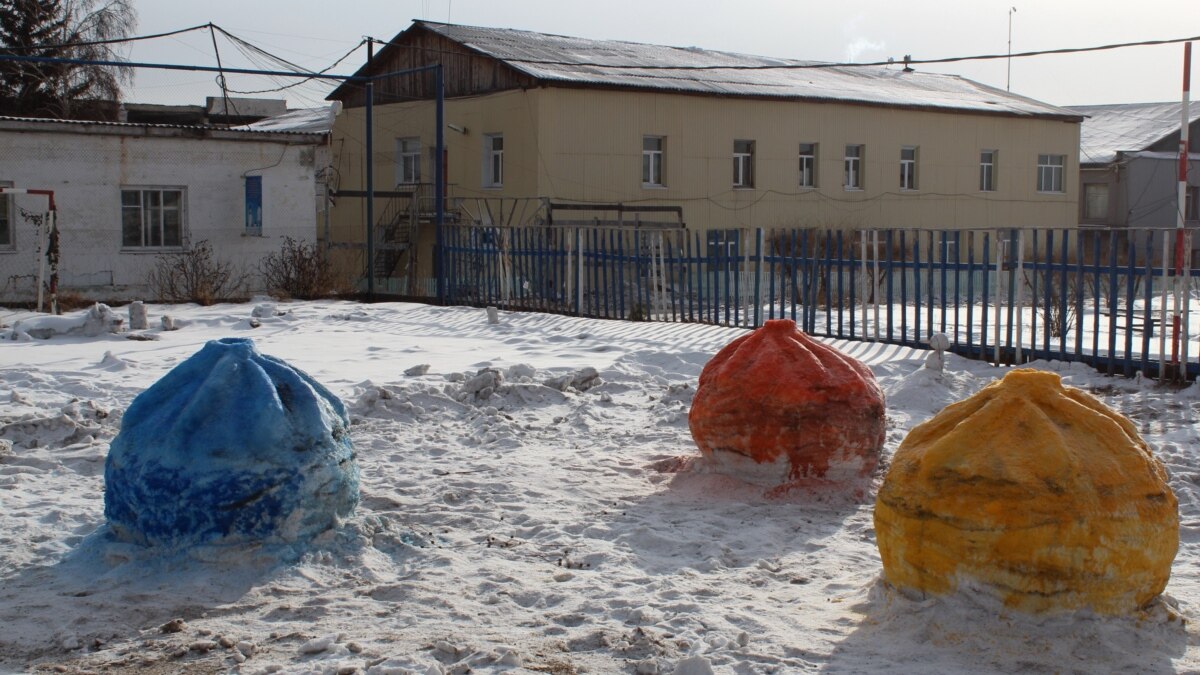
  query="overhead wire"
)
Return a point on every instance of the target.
[
  {"x": 264, "y": 58},
  {"x": 762, "y": 66},
  {"x": 308, "y": 79},
  {"x": 313, "y": 38},
  {"x": 846, "y": 64},
  {"x": 220, "y": 74},
  {"x": 245, "y": 46},
  {"x": 268, "y": 55},
  {"x": 111, "y": 41}
]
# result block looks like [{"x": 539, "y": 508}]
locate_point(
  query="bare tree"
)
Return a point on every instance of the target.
[{"x": 84, "y": 30}]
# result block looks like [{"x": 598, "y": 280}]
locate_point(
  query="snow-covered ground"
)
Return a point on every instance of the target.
[{"x": 520, "y": 521}]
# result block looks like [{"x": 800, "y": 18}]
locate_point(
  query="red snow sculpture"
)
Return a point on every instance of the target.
[{"x": 775, "y": 406}]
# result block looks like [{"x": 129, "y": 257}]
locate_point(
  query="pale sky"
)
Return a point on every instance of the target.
[{"x": 314, "y": 34}]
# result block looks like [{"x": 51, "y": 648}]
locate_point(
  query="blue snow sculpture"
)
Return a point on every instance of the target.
[{"x": 230, "y": 446}]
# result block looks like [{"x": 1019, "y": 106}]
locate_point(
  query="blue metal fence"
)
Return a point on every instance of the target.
[{"x": 1103, "y": 297}]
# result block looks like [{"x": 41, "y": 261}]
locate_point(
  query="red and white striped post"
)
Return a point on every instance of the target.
[
  {"x": 52, "y": 231},
  {"x": 1181, "y": 251}
]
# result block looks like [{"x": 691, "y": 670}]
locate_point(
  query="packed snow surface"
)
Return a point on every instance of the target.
[{"x": 529, "y": 503}]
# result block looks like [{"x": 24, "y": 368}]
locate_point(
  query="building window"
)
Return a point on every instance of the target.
[
  {"x": 493, "y": 160},
  {"x": 254, "y": 206},
  {"x": 808, "y": 165},
  {"x": 1192, "y": 203},
  {"x": 908, "y": 167},
  {"x": 1050, "y": 173},
  {"x": 6, "y": 219},
  {"x": 987, "y": 171},
  {"x": 408, "y": 161},
  {"x": 743, "y": 164},
  {"x": 854, "y": 158},
  {"x": 1095, "y": 201},
  {"x": 151, "y": 218},
  {"x": 652, "y": 161}
]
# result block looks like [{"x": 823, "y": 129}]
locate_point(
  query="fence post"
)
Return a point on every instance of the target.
[
  {"x": 1020, "y": 300},
  {"x": 664, "y": 297},
  {"x": 1001, "y": 244},
  {"x": 578, "y": 280},
  {"x": 505, "y": 242},
  {"x": 875, "y": 280},
  {"x": 758, "y": 261},
  {"x": 1187, "y": 305},
  {"x": 1162, "y": 309},
  {"x": 568, "y": 270},
  {"x": 865, "y": 281}
]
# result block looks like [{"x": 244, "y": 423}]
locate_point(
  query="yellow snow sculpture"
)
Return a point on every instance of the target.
[{"x": 1031, "y": 491}]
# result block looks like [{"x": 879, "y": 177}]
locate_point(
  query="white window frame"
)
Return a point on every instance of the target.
[
  {"x": 808, "y": 165},
  {"x": 1088, "y": 213},
  {"x": 7, "y": 212},
  {"x": 908, "y": 167},
  {"x": 743, "y": 164},
  {"x": 408, "y": 160},
  {"x": 1191, "y": 203},
  {"x": 652, "y": 161},
  {"x": 146, "y": 215},
  {"x": 1051, "y": 170},
  {"x": 987, "y": 170},
  {"x": 852, "y": 179},
  {"x": 493, "y": 160}
]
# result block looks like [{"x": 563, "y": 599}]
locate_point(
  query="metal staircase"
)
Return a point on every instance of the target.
[{"x": 397, "y": 230}]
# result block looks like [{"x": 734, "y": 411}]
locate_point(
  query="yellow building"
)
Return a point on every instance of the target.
[{"x": 733, "y": 141}]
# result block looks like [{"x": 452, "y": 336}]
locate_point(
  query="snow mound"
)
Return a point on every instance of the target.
[
  {"x": 230, "y": 445},
  {"x": 97, "y": 320}
]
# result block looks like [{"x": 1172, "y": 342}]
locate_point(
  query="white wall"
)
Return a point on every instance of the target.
[{"x": 88, "y": 170}]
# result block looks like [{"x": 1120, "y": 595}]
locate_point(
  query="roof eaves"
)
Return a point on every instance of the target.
[
  {"x": 1065, "y": 116},
  {"x": 98, "y": 126}
]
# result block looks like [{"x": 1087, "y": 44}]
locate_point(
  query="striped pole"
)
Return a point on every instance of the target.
[{"x": 1180, "y": 253}]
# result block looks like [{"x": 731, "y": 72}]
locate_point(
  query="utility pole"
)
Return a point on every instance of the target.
[
  {"x": 1008, "y": 79},
  {"x": 370, "y": 143}
]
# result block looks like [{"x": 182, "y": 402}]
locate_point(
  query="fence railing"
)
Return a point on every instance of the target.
[{"x": 1101, "y": 296}]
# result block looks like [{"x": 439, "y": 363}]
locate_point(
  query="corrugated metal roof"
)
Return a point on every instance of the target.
[
  {"x": 556, "y": 58},
  {"x": 1173, "y": 156},
  {"x": 303, "y": 120},
  {"x": 230, "y": 131},
  {"x": 1126, "y": 127}
]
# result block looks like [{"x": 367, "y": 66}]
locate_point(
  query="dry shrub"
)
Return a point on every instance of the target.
[
  {"x": 1059, "y": 317},
  {"x": 70, "y": 300},
  {"x": 194, "y": 275},
  {"x": 299, "y": 270}
]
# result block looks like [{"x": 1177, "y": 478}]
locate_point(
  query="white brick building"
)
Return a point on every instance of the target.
[{"x": 129, "y": 192}]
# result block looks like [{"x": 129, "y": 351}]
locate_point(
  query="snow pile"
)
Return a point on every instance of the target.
[
  {"x": 230, "y": 445},
  {"x": 98, "y": 319},
  {"x": 531, "y": 531}
]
